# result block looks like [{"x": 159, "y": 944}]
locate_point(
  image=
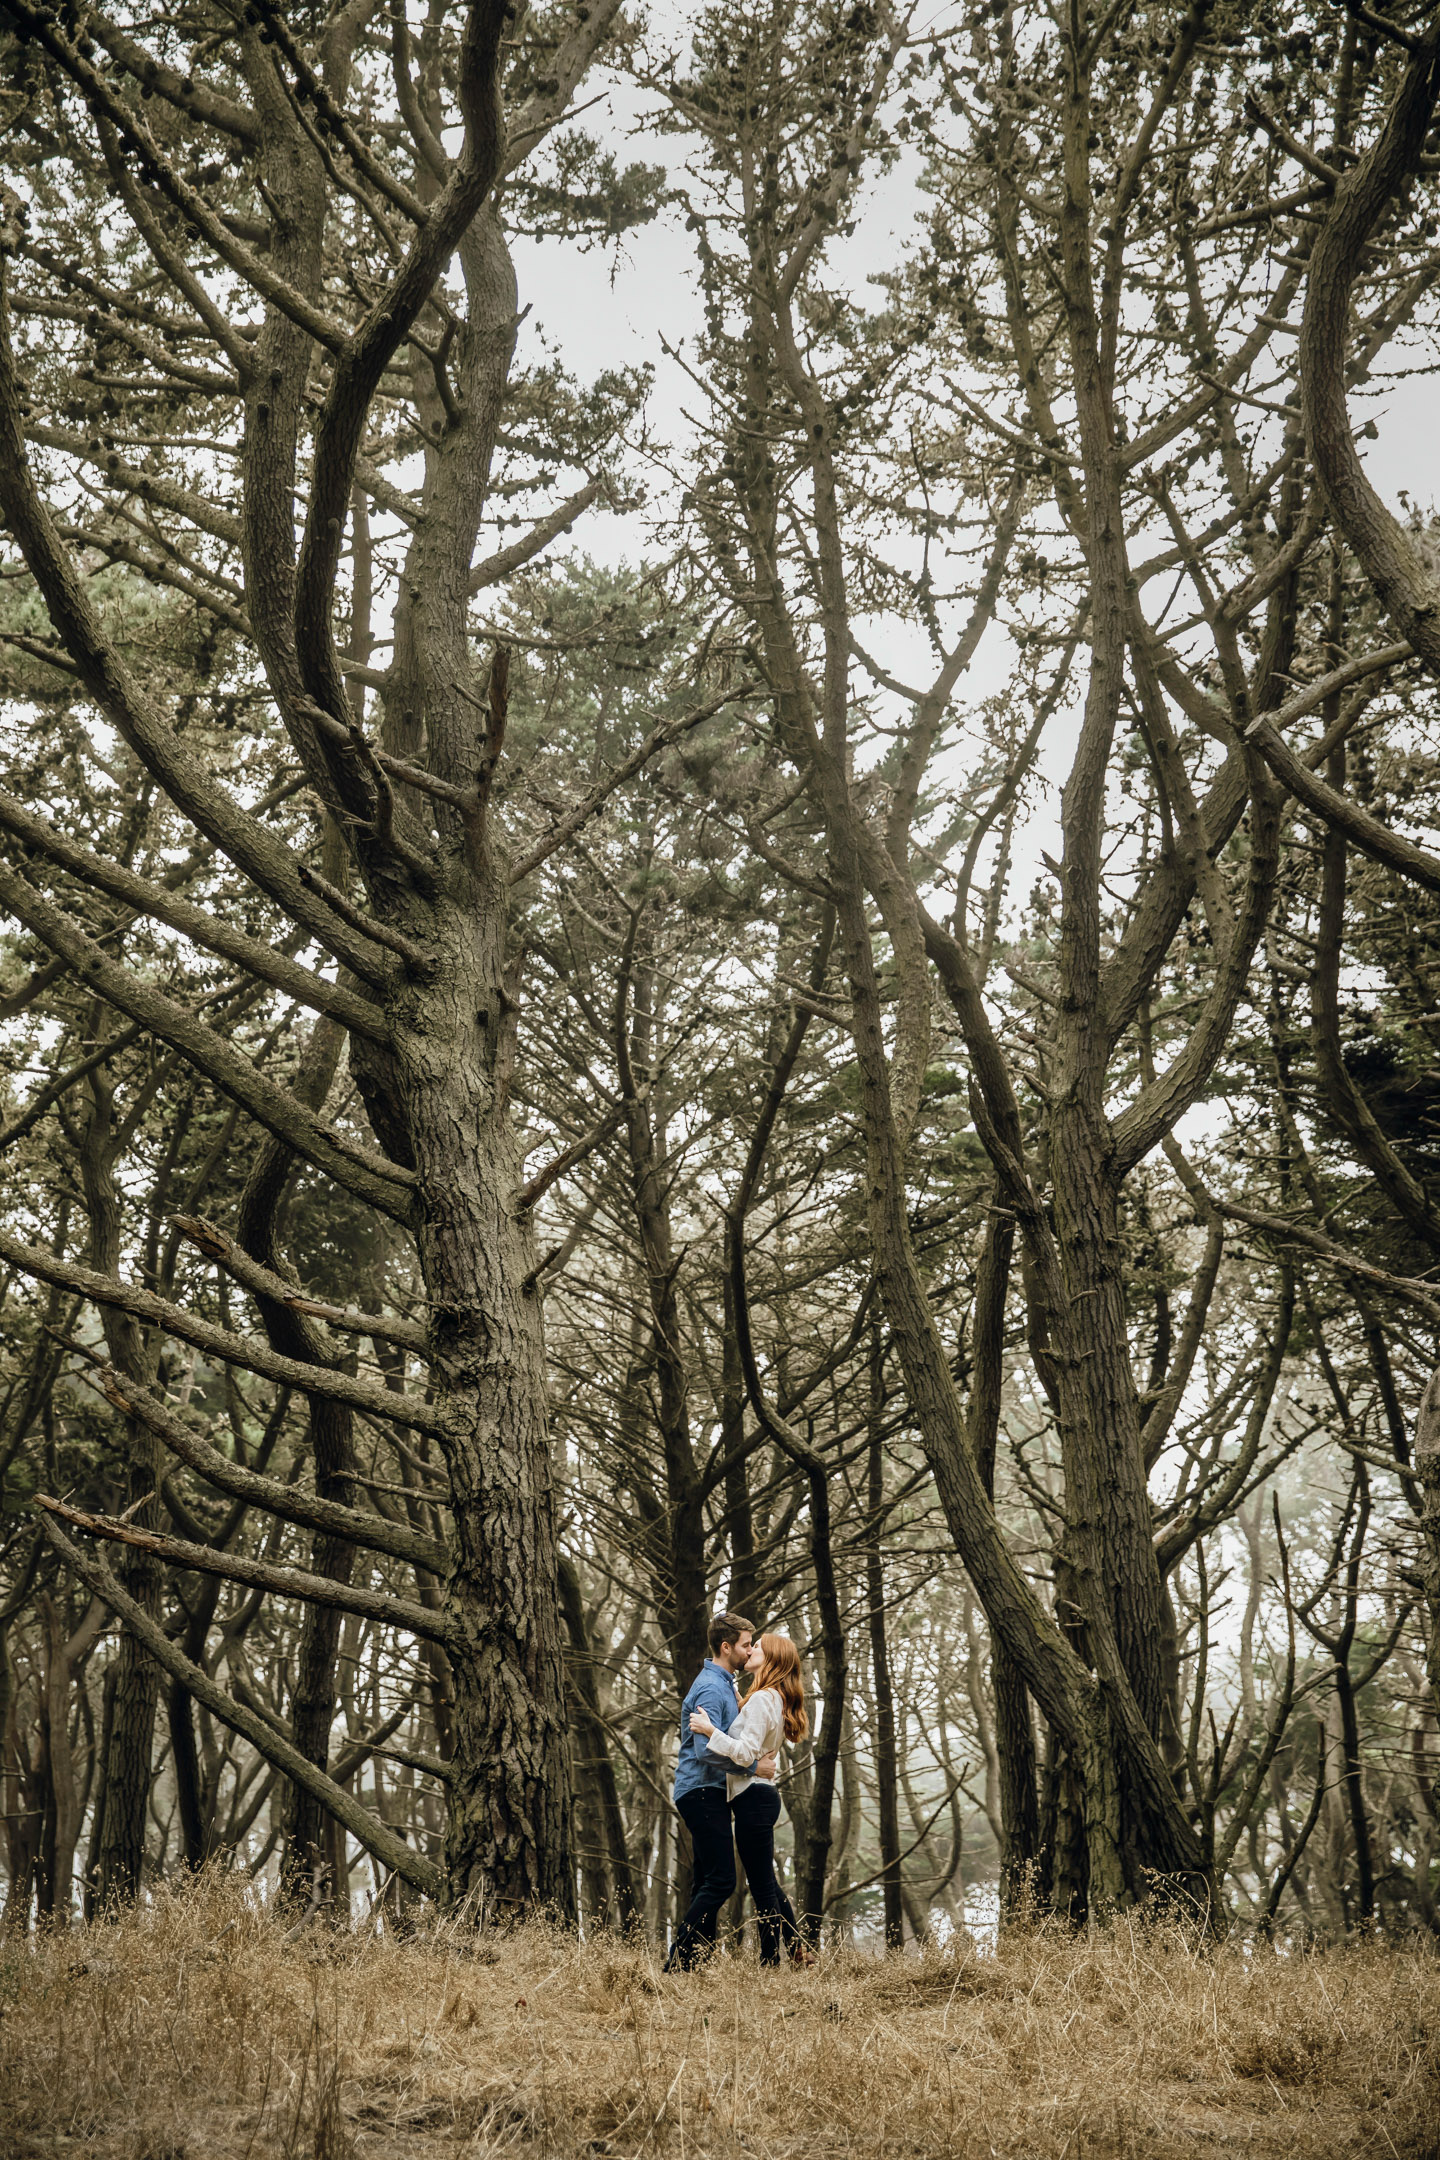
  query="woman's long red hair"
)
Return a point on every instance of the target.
[{"x": 781, "y": 1671}]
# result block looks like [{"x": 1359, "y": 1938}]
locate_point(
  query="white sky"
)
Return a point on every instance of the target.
[{"x": 610, "y": 309}]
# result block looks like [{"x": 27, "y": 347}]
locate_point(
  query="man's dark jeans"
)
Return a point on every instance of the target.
[
  {"x": 755, "y": 1813},
  {"x": 707, "y": 1817}
]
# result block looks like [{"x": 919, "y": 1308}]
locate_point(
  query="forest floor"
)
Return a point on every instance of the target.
[{"x": 194, "y": 2031}]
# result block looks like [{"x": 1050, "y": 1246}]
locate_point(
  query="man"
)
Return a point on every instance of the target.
[{"x": 699, "y": 1791}]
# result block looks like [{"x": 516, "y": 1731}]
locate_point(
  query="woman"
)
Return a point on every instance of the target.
[{"x": 773, "y": 1710}]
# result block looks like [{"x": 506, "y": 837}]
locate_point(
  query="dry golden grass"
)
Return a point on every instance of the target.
[{"x": 191, "y": 2031}]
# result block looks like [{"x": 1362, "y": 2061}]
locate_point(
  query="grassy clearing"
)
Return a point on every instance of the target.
[{"x": 193, "y": 2032}]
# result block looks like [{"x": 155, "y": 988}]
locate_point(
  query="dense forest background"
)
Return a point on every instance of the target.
[{"x": 815, "y": 990}]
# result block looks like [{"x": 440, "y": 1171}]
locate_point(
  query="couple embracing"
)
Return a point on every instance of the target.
[{"x": 725, "y": 1785}]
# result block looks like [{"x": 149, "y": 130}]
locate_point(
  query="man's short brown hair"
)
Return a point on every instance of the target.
[{"x": 728, "y": 1627}]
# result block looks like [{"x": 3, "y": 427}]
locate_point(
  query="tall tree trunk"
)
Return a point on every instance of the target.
[
  {"x": 1427, "y": 1476},
  {"x": 594, "y": 1751},
  {"x": 63, "y": 1654},
  {"x": 125, "y": 1789},
  {"x": 1063, "y": 1867},
  {"x": 1352, "y": 1777},
  {"x": 508, "y": 1833},
  {"x": 677, "y": 1531},
  {"x": 887, "y": 1784},
  {"x": 1014, "y": 1731},
  {"x": 438, "y": 1097},
  {"x": 1105, "y": 1482},
  {"x": 1019, "y": 1797},
  {"x": 1341, "y": 1644},
  {"x": 745, "y": 1581},
  {"x": 185, "y": 1768},
  {"x": 22, "y": 1826},
  {"x": 331, "y": 1439},
  {"x": 830, "y": 1728}
]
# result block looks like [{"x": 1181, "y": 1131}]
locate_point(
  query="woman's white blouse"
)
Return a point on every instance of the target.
[{"x": 758, "y": 1729}]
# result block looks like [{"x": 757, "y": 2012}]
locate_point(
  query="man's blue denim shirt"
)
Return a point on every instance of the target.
[{"x": 714, "y": 1691}]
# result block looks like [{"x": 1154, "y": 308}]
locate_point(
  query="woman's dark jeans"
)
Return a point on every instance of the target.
[{"x": 756, "y": 1812}]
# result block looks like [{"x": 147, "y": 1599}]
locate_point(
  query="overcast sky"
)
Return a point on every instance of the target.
[{"x": 610, "y": 309}]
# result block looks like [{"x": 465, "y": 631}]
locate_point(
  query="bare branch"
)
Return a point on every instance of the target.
[
  {"x": 217, "y": 1342},
  {"x": 388, "y": 1847},
  {"x": 1424, "y": 1296},
  {"x": 506, "y": 561},
  {"x": 363, "y": 1171},
  {"x": 564, "y": 1162},
  {"x": 659, "y": 738},
  {"x": 262, "y": 1282},
  {"x": 265, "y": 962},
  {"x": 1366, "y": 831},
  {"x": 190, "y": 96},
  {"x": 258, "y": 1574},
  {"x": 276, "y": 1495}
]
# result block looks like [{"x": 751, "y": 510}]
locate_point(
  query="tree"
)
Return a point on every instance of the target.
[
  {"x": 927, "y": 982},
  {"x": 265, "y": 330},
  {"x": 1111, "y": 345}
]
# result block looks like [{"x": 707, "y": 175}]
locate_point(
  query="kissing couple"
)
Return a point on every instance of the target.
[{"x": 725, "y": 1785}]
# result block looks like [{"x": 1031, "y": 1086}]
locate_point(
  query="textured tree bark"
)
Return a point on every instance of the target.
[
  {"x": 830, "y": 1730},
  {"x": 1062, "y": 1871},
  {"x": 125, "y": 1797},
  {"x": 127, "y": 1766},
  {"x": 887, "y": 1781},
  {"x": 595, "y": 1758},
  {"x": 508, "y": 1835},
  {"x": 1019, "y": 1797},
  {"x": 331, "y": 1436},
  {"x": 1427, "y": 1476},
  {"x": 1403, "y": 582},
  {"x": 1014, "y": 1731}
]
